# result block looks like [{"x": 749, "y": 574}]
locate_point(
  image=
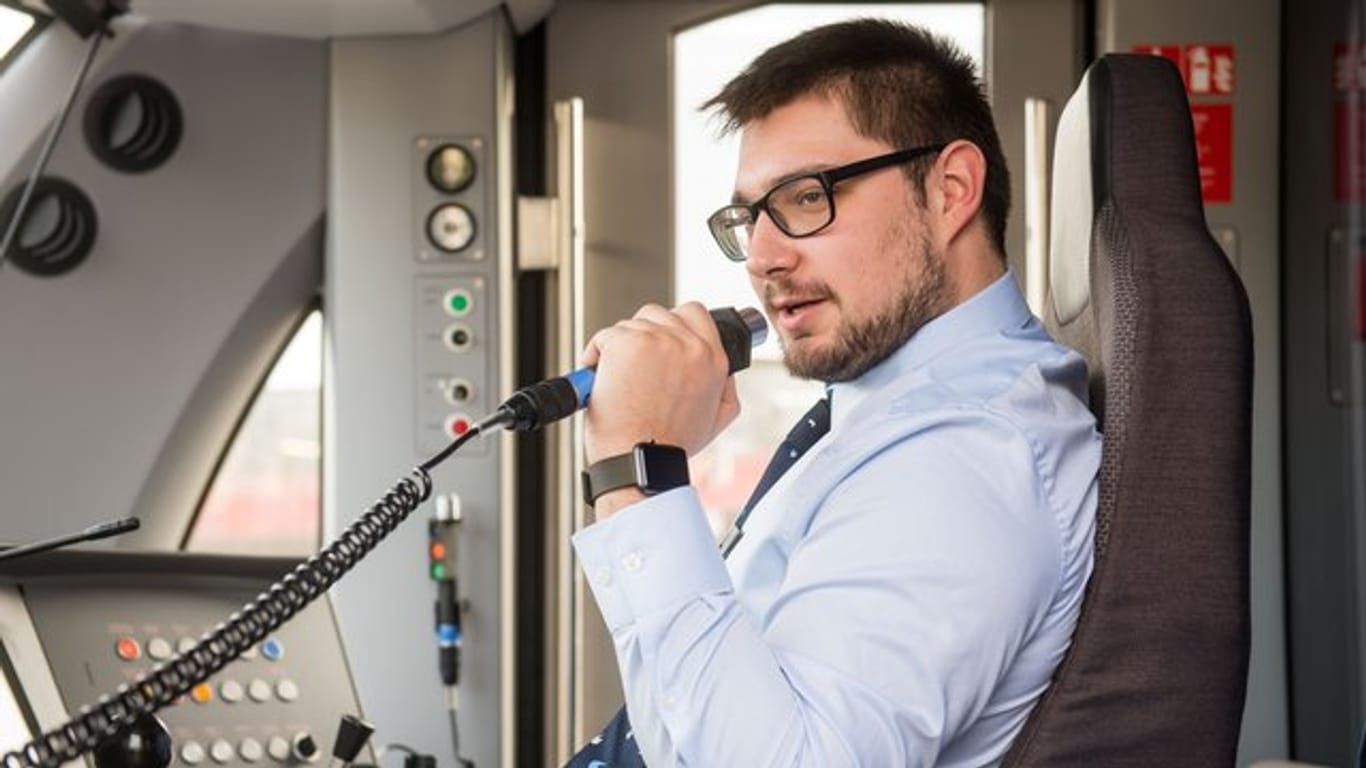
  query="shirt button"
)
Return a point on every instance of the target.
[
  {"x": 603, "y": 576},
  {"x": 632, "y": 562}
]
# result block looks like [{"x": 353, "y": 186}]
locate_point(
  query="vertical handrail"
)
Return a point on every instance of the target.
[{"x": 568, "y": 437}]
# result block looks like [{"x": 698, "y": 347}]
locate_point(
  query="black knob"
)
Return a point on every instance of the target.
[
  {"x": 304, "y": 747},
  {"x": 142, "y": 743},
  {"x": 352, "y": 733}
]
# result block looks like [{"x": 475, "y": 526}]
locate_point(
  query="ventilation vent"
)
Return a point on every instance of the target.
[
  {"x": 58, "y": 230},
  {"x": 133, "y": 123}
]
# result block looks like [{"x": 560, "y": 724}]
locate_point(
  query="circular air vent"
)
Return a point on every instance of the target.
[
  {"x": 133, "y": 123},
  {"x": 58, "y": 229}
]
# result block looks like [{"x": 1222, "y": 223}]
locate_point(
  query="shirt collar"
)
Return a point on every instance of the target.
[{"x": 995, "y": 308}]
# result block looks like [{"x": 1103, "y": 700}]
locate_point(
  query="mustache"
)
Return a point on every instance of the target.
[{"x": 787, "y": 288}]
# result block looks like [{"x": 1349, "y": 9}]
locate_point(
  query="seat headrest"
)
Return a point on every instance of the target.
[{"x": 1124, "y": 101}]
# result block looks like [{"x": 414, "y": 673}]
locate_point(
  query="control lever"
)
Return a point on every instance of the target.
[{"x": 352, "y": 733}]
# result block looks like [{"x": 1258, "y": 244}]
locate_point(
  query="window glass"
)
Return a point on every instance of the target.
[
  {"x": 704, "y": 165},
  {"x": 16, "y": 25},
  {"x": 265, "y": 498}
]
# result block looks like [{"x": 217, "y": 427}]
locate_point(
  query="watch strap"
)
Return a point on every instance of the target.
[
  {"x": 608, "y": 475},
  {"x": 651, "y": 467}
]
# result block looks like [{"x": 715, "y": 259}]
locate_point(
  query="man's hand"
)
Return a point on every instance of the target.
[{"x": 661, "y": 376}]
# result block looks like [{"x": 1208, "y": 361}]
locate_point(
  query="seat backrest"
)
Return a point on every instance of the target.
[{"x": 1156, "y": 673}]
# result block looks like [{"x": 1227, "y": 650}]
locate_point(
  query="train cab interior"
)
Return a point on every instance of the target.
[{"x": 268, "y": 270}]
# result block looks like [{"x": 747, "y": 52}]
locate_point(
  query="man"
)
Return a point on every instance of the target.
[{"x": 903, "y": 593}]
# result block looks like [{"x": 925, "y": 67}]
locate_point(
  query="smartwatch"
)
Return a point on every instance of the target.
[{"x": 651, "y": 467}]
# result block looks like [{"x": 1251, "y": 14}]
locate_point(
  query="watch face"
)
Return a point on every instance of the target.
[{"x": 661, "y": 467}]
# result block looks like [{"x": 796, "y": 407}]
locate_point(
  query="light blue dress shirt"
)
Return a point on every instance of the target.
[{"x": 901, "y": 596}]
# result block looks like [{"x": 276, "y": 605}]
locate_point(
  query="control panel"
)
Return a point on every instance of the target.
[
  {"x": 118, "y": 616},
  {"x": 453, "y": 355}
]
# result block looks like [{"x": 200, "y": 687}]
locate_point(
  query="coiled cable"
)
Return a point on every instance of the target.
[{"x": 277, "y": 604}]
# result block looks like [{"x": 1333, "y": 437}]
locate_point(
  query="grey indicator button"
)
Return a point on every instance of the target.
[
  {"x": 259, "y": 690},
  {"x": 287, "y": 690},
  {"x": 250, "y": 750},
  {"x": 278, "y": 748},
  {"x": 159, "y": 648},
  {"x": 230, "y": 691},
  {"x": 221, "y": 751},
  {"x": 451, "y": 228},
  {"x": 459, "y": 391},
  {"x": 184, "y": 644},
  {"x": 192, "y": 753},
  {"x": 458, "y": 337}
]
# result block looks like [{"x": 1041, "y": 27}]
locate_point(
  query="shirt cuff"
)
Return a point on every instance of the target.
[{"x": 654, "y": 554}]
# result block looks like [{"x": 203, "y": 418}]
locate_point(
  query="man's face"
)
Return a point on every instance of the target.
[{"x": 844, "y": 299}]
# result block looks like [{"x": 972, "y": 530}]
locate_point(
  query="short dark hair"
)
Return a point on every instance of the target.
[{"x": 899, "y": 84}]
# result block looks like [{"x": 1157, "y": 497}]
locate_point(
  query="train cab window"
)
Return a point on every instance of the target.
[
  {"x": 266, "y": 496},
  {"x": 18, "y": 25},
  {"x": 704, "y": 164}
]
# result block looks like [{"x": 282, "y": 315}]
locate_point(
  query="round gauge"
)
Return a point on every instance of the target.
[
  {"x": 450, "y": 168},
  {"x": 451, "y": 227}
]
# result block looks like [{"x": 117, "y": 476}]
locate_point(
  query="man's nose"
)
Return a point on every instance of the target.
[{"x": 770, "y": 251}]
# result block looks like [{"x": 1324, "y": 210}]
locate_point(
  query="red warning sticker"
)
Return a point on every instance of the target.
[
  {"x": 1209, "y": 72},
  {"x": 1206, "y": 68},
  {"x": 1349, "y": 67},
  {"x": 1214, "y": 150}
]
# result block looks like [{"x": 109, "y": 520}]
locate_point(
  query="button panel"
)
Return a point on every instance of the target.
[
  {"x": 455, "y": 354},
  {"x": 109, "y": 628}
]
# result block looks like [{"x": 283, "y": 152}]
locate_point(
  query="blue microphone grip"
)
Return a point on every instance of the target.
[{"x": 535, "y": 406}]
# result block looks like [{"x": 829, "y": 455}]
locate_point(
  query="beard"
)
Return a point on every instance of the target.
[{"x": 862, "y": 343}]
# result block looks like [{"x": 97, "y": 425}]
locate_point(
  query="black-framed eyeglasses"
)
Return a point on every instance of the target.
[{"x": 800, "y": 206}]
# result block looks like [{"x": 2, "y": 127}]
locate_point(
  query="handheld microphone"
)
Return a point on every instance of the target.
[
  {"x": 533, "y": 407},
  {"x": 100, "y": 531}
]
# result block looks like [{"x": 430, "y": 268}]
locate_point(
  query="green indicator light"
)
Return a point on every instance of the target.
[
  {"x": 438, "y": 571},
  {"x": 460, "y": 302}
]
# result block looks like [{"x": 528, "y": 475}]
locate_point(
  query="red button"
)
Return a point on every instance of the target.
[{"x": 127, "y": 649}]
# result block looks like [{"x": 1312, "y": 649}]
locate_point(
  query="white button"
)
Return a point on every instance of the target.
[
  {"x": 184, "y": 644},
  {"x": 258, "y": 690},
  {"x": 287, "y": 690},
  {"x": 192, "y": 753},
  {"x": 250, "y": 750},
  {"x": 278, "y": 747},
  {"x": 221, "y": 751},
  {"x": 603, "y": 576},
  {"x": 230, "y": 691},
  {"x": 159, "y": 648},
  {"x": 632, "y": 562}
]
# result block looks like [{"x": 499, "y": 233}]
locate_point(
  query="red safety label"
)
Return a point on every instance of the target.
[
  {"x": 1214, "y": 150},
  {"x": 1209, "y": 73},
  {"x": 1207, "y": 69}
]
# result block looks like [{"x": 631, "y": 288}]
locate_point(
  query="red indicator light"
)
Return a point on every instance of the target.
[
  {"x": 438, "y": 550},
  {"x": 127, "y": 649}
]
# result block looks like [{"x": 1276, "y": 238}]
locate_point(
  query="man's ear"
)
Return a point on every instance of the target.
[{"x": 956, "y": 184}]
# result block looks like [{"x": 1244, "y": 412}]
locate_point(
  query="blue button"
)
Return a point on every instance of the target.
[{"x": 273, "y": 649}]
